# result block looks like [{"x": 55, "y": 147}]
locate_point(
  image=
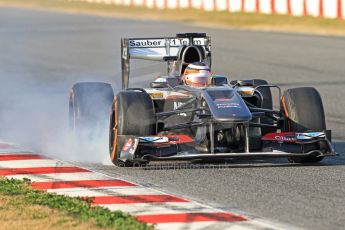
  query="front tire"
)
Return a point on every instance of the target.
[
  {"x": 132, "y": 114},
  {"x": 304, "y": 112}
]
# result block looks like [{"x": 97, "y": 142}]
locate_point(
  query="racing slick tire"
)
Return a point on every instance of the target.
[
  {"x": 132, "y": 114},
  {"x": 304, "y": 112},
  {"x": 89, "y": 108},
  {"x": 266, "y": 104}
]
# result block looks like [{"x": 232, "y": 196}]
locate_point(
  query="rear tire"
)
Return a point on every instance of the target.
[
  {"x": 132, "y": 114},
  {"x": 267, "y": 103},
  {"x": 266, "y": 93},
  {"x": 89, "y": 108},
  {"x": 304, "y": 112}
]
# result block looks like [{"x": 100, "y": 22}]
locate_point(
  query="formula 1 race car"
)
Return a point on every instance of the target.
[{"x": 220, "y": 120}]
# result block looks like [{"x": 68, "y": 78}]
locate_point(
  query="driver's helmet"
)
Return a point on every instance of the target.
[{"x": 196, "y": 75}]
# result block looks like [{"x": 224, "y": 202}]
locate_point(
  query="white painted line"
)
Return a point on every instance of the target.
[
  {"x": 201, "y": 226},
  {"x": 62, "y": 177},
  {"x": 159, "y": 208},
  {"x": 15, "y": 150},
  {"x": 92, "y": 192},
  {"x": 32, "y": 163},
  {"x": 214, "y": 225},
  {"x": 7, "y": 151}
]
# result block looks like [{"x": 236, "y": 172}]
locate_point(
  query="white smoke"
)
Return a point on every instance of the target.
[
  {"x": 34, "y": 114},
  {"x": 37, "y": 117}
]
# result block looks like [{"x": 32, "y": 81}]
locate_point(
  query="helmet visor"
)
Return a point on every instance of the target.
[{"x": 198, "y": 79}]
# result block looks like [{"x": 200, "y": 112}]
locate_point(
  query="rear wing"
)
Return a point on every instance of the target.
[{"x": 161, "y": 49}]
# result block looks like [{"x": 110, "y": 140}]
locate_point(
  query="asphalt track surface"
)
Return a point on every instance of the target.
[{"x": 43, "y": 53}]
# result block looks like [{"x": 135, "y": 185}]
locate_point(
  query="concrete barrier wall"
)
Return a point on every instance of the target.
[{"x": 317, "y": 8}]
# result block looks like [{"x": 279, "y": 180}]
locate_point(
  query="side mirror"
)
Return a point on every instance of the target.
[
  {"x": 159, "y": 85},
  {"x": 165, "y": 82},
  {"x": 219, "y": 80}
]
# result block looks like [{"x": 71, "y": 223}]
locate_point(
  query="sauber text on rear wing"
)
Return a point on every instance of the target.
[{"x": 160, "y": 49}]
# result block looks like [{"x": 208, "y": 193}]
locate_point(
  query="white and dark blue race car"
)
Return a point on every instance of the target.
[{"x": 191, "y": 114}]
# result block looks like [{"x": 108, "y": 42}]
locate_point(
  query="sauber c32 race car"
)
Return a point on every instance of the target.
[{"x": 223, "y": 120}]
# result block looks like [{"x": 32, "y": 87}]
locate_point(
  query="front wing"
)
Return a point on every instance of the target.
[{"x": 183, "y": 147}]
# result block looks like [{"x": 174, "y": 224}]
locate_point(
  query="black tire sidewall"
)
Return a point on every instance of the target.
[
  {"x": 266, "y": 93},
  {"x": 266, "y": 104},
  {"x": 135, "y": 116},
  {"x": 303, "y": 110}
]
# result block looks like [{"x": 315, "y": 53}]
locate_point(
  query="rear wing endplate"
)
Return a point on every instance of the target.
[{"x": 158, "y": 49}]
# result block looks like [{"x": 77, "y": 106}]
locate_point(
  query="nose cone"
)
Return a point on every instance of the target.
[{"x": 226, "y": 105}]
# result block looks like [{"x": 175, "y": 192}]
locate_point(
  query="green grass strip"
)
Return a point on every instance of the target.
[{"x": 76, "y": 207}]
